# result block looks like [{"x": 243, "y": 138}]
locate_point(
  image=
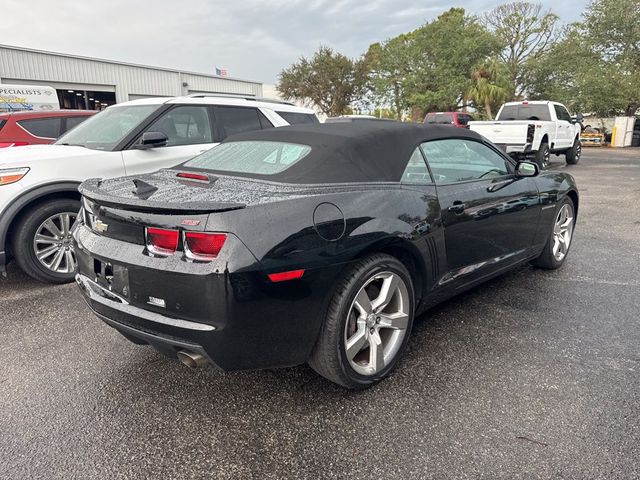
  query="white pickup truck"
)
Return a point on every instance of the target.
[{"x": 534, "y": 129}]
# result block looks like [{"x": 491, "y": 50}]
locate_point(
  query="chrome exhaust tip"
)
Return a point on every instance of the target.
[{"x": 191, "y": 359}]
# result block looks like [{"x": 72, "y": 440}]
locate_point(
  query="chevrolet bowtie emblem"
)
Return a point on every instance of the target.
[{"x": 100, "y": 226}]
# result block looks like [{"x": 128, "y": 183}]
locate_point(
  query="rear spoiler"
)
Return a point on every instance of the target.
[{"x": 90, "y": 189}]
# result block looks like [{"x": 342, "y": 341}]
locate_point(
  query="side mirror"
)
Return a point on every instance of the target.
[
  {"x": 526, "y": 169},
  {"x": 577, "y": 118},
  {"x": 152, "y": 140}
]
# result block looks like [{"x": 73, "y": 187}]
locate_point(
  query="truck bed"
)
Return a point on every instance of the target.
[{"x": 513, "y": 135}]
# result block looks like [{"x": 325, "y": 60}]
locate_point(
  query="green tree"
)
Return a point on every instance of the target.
[
  {"x": 489, "y": 86},
  {"x": 527, "y": 33},
  {"x": 329, "y": 80},
  {"x": 569, "y": 73},
  {"x": 390, "y": 65},
  {"x": 613, "y": 36},
  {"x": 444, "y": 53},
  {"x": 596, "y": 66},
  {"x": 428, "y": 68}
]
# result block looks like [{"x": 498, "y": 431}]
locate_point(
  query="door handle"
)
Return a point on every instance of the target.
[{"x": 457, "y": 207}]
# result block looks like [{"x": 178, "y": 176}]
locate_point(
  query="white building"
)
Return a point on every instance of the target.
[{"x": 93, "y": 83}]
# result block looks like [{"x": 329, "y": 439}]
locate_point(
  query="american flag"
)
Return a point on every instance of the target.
[{"x": 221, "y": 72}]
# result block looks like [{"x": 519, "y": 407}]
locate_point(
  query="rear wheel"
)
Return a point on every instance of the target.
[
  {"x": 367, "y": 325},
  {"x": 42, "y": 244},
  {"x": 543, "y": 155},
  {"x": 557, "y": 247},
  {"x": 573, "y": 154}
]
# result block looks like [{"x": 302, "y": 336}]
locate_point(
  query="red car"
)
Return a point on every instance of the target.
[
  {"x": 456, "y": 119},
  {"x": 32, "y": 128}
]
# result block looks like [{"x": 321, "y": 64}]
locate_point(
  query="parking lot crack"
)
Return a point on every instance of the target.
[{"x": 527, "y": 439}]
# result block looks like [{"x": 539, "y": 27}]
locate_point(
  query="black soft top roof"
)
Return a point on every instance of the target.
[{"x": 359, "y": 151}]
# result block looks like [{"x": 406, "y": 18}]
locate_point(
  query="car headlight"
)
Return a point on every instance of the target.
[{"x": 12, "y": 175}]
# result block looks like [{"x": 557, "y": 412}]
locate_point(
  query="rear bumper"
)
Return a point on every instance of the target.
[
  {"x": 235, "y": 318},
  {"x": 511, "y": 148},
  {"x": 166, "y": 345}
]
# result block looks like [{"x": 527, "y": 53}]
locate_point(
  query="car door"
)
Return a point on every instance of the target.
[
  {"x": 564, "y": 130},
  {"x": 490, "y": 216},
  {"x": 422, "y": 212},
  {"x": 188, "y": 131}
]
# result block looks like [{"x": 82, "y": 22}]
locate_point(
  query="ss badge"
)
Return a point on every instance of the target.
[{"x": 158, "y": 302}]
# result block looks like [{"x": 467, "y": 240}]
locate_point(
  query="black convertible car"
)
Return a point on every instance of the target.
[{"x": 316, "y": 243}]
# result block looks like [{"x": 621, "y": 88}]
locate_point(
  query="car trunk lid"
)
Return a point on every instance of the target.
[
  {"x": 178, "y": 191},
  {"x": 121, "y": 208}
]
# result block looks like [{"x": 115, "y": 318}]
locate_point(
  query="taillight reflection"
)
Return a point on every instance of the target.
[
  {"x": 203, "y": 246},
  {"x": 161, "y": 241}
]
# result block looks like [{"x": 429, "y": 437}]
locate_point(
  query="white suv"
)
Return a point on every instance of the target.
[{"x": 39, "y": 200}]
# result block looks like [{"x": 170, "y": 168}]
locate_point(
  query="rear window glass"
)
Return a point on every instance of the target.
[
  {"x": 42, "y": 127},
  {"x": 74, "y": 122},
  {"x": 295, "y": 118},
  {"x": 525, "y": 112},
  {"x": 2, "y": 122},
  {"x": 250, "y": 157},
  {"x": 439, "y": 119},
  {"x": 232, "y": 120}
]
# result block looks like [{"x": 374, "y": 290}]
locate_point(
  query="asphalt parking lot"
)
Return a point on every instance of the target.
[{"x": 533, "y": 375}]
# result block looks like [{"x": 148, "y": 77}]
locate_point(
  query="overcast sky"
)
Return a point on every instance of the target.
[{"x": 252, "y": 39}]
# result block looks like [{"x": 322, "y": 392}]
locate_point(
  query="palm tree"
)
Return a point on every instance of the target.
[{"x": 488, "y": 86}]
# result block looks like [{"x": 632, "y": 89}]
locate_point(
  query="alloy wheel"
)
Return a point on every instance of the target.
[
  {"x": 377, "y": 323},
  {"x": 53, "y": 243},
  {"x": 562, "y": 232},
  {"x": 578, "y": 151}
]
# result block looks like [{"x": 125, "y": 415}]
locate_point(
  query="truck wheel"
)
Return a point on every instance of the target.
[
  {"x": 42, "y": 243},
  {"x": 573, "y": 154},
  {"x": 542, "y": 156}
]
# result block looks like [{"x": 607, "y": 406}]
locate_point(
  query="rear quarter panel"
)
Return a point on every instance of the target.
[{"x": 283, "y": 235}]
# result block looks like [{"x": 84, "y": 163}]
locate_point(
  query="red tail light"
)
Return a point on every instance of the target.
[
  {"x": 161, "y": 241},
  {"x": 193, "y": 176},
  {"x": 203, "y": 246},
  {"x": 285, "y": 276},
  {"x": 13, "y": 144}
]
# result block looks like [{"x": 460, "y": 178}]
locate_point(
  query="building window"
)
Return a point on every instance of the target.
[{"x": 85, "y": 100}]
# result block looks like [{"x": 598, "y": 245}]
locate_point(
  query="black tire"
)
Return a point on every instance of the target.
[
  {"x": 547, "y": 258},
  {"x": 542, "y": 156},
  {"x": 329, "y": 357},
  {"x": 574, "y": 153},
  {"x": 25, "y": 232}
]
